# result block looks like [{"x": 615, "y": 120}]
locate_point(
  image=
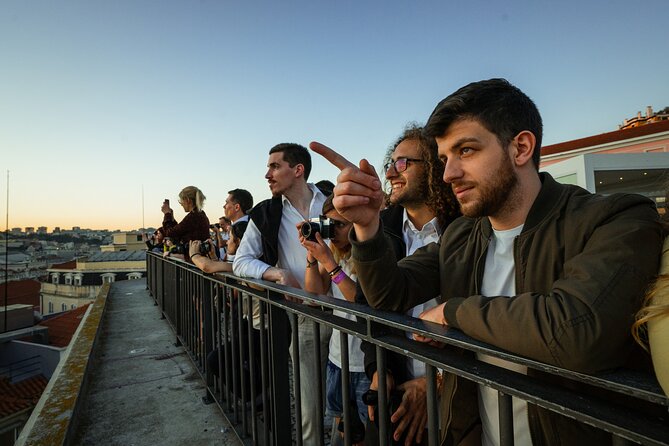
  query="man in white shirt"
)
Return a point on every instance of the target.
[
  {"x": 271, "y": 250},
  {"x": 237, "y": 206}
]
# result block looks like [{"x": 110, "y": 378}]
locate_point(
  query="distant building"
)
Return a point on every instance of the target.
[
  {"x": 56, "y": 230},
  {"x": 29, "y": 230},
  {"x": 125, "y": 241},
  {"x": 77, "y": 283},
  {"x": 649, "y": 118},
  {"x": 634, "y": 159},
  {"x": 42, "y": 230},
  {"x": 16, "y": 231}
]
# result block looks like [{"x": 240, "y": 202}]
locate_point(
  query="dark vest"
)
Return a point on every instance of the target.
[{"x": 266, "y": 215}]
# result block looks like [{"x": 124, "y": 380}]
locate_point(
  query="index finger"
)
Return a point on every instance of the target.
[{"x": 335, "y": 159}]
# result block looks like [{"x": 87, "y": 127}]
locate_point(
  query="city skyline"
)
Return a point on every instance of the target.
[{"x": 108, "y": 109}]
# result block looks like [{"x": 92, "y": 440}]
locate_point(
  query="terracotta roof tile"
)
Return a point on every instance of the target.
[
  {"x": 604, "y": 138},
  {"x": 19, "y": 396},
  {"x": 63, "y": 326}
]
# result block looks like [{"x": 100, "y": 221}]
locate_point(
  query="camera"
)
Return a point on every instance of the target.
[
  {"x": 321, "y": 225},
  {"x": 215, "y": 225},
  {"x": 205, "y": 248}
]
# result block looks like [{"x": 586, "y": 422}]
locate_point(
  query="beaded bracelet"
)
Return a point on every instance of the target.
[{"x": 337, "y": 278}]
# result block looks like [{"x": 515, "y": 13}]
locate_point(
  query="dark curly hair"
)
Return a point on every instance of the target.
[{"x": 440, "y": 197}]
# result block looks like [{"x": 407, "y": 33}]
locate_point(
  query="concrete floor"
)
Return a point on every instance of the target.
[{"x": 143, "y": 390}]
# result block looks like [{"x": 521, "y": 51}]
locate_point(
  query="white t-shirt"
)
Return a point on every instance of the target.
[
  {"x": 499, "y": 280},
  {"x": 356, "y": 361}
]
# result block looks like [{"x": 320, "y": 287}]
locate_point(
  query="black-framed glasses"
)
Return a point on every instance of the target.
[{"x": 400, "y": 164}]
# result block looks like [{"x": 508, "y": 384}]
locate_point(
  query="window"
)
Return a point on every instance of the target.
[
  {"x": 68, "y": 279},
  {"x": 73, "y": 306},
  {"x": 54, "y": 278},
  {"x": 50, "y": 307},
  {"x": 108, "y": 277},
  {"x": 78, "y": 279},
  {"x": 134, "y": 276},
  {"x": 63, "y": 307}
]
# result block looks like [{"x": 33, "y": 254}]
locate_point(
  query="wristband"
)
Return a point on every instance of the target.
[
  {"x": 335, "y": 271},
  {"x": 196, "y": 254},
  {"x": 339, "y": 277},
  {"x": 310, "y": 264}
]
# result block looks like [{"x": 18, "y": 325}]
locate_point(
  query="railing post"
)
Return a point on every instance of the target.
[
  {"x": 279, "y": 335},
  {"x": 297, "y": 378},
  {"x": 432, "y": 413},
  {"x": 382, "y": 396},
  {"x": 505, "y": 419}
]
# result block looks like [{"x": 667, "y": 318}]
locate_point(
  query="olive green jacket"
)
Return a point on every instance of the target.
[{"x": 583, "y": 262}]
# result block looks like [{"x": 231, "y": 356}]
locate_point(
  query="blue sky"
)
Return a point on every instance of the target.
[{"x": 101, "y": 100}]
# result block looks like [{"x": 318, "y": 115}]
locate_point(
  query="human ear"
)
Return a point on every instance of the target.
[
  {"x": 299, "y": 170},
  {"x": 523, "y": 147}
]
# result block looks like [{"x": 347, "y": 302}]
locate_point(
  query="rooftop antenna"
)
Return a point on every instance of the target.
[
  {"x": 143, "y": 225},
  {"x": 6, "y": 254}
]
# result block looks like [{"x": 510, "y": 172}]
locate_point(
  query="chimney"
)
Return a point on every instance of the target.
[
  {"x": 649, "y": 111},
  {"x": 638, "y": 115}
]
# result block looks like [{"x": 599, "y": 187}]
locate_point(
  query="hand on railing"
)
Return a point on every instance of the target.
[
  {"x": 282, "y": 277},
  {"x": 436, "y": 315}
]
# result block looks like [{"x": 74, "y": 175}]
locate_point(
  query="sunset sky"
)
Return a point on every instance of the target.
[{"x": 100, "y": 101}]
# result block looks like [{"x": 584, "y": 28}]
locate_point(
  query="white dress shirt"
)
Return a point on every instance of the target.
[
  {"x": 414, "y": 239},
  {"x": 292, "y": 256}
]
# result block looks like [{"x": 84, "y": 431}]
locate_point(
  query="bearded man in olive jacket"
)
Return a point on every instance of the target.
[{"x": 543, "y": 270}]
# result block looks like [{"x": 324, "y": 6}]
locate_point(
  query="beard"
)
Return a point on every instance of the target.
[
  {"x": 412, "y": 195},
  {"x": 496, "y": 192}
]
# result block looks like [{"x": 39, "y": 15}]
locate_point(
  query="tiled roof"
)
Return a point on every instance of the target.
[
  {"x": 19, "y": 396},
  {"x": 72, "y": 264},
  {"x": 63, "y": 326},
  {"x": 21, "y": 292},
  {"x": 604, "y": 138}
]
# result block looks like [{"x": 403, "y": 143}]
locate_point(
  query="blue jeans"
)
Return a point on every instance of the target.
[{"x": 334, "y": 406}]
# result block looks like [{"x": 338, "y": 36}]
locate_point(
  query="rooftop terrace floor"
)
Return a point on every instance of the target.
[{"x": 142, "y": 389}]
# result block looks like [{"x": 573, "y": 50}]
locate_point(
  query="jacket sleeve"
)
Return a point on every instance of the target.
[
  {"x": 176, "y": 230},
  {"x": 583, "y": 321},
  {"x": 391, "y": 285}
]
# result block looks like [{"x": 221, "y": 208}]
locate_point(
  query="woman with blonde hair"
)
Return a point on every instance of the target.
[
  {"x": 194, "y": 226},
  {"x": 651, "y": 328}
]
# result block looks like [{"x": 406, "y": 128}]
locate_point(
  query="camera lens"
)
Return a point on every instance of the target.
[{"x": 305, "y": 229}]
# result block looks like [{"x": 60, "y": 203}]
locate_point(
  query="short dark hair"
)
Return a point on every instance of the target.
[
  {"x": 239, "y": 228},
  {"x": 325, "y": 186},
  {"x": 498, "y": 105},
  {"x": 294, "y": 154},
  {"x": 243, "y": 198}
]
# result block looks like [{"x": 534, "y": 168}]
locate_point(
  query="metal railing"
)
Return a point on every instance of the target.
[{"x": 203, "y": 311}]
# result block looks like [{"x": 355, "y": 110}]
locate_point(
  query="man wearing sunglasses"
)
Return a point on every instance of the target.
[{"x": 420, "y": 207}]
